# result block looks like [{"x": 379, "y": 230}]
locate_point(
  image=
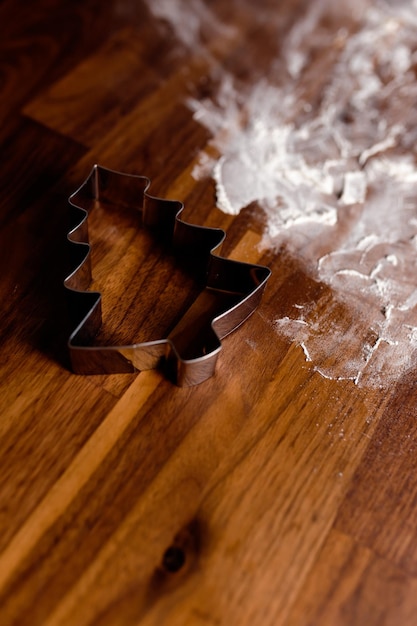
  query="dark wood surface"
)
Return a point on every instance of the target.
[{"x": 124, "y": 499}]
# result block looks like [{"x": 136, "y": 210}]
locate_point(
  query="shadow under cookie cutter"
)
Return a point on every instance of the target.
[{"x": 189, "y": 352}]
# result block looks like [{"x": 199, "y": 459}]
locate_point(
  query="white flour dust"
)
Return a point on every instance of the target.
[
  {"x": 335, "y": 176},
  {"x": 188, "y": 19}
]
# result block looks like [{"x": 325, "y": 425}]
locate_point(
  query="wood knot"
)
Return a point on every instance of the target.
[{"x": 183, "y": 551}]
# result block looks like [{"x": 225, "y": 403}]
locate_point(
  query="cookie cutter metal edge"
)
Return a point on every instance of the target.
[{"x": 198, "y": 243}]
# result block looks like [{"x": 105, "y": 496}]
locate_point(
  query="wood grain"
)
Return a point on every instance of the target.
[{"x": 267, "y": 495}]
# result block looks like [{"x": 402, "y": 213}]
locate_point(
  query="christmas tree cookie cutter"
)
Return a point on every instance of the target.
[{"x": 189, "y": 352}]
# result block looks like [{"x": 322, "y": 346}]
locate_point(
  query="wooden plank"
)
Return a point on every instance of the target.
[
  {"x": 35, "y": 159},
  {"x": 238, "y": 528},
  {"x": 350, "y": 584},
  {"x": 379, "y": 510},
  {"x": 38, "y": 46},
  {"x": 88, "y": 101}
]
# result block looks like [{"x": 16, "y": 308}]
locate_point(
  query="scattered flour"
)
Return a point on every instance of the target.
[
  {"x": 339, "y": 176},
  {"x": 187, "y": 18}
]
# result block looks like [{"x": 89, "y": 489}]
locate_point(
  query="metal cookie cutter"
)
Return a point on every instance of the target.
[{"x": 191, "y": 348}]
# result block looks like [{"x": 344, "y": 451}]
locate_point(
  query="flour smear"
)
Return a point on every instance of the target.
[{"x": 336, "y": 179}]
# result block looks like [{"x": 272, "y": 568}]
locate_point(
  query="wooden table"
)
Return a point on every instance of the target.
[{"x": 267, "y": 494}]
